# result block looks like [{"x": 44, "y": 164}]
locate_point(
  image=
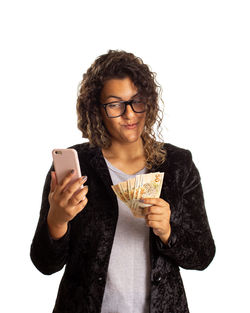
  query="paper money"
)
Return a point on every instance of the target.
[{"x": 139, "y": 187}]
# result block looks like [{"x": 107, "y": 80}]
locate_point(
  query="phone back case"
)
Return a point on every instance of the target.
[{"x": 64, "y": 161}]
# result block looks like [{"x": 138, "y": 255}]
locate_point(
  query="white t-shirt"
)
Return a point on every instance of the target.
[{"x": 127, "y": 288}]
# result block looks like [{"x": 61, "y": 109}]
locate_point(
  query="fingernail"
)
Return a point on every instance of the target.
[{"x": 84, "y": 178}]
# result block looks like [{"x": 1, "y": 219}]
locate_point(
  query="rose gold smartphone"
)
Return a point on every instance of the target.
[{"x": 64, "y": 161}]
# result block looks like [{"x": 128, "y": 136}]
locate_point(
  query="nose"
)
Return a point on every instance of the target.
[{"x": 129, "y": 113}]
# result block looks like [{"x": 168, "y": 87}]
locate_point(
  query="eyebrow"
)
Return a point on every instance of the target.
[{"x": 111, "y": 96}]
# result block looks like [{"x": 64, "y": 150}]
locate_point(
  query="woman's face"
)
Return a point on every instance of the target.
[{"x": 128, "y": 127}]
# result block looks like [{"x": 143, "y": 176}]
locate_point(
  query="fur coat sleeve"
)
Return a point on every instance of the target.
[{"x": 190, "y": 245}]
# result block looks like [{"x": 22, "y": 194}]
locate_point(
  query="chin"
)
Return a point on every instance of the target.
[{"x": 132, "y": 139}]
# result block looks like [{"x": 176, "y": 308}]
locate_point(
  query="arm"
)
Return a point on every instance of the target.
[
  {"x": 50, "y": 246},
  {"x": 47, "y": 254},
  {"x": 190, "y": 244}
]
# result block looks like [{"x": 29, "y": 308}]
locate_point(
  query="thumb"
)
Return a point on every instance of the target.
[{"x": 53, "y": 181}]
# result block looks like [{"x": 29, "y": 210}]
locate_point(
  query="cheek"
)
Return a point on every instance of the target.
[
  {"x": 111, "y": 124},
  {"x": 143, "y": 119},
  {"x": 106, "y": 121}
]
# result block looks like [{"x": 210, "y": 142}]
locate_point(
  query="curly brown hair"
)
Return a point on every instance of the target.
[{"x": 120, "y": 64}]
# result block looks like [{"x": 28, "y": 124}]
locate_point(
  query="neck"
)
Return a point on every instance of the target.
[{"x": 126, "y": 152}]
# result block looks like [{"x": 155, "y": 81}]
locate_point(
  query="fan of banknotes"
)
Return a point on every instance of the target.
[{"x": 141, "y": 186}]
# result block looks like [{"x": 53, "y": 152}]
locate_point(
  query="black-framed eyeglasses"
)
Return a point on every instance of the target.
[{"x": 118, "y": 108}]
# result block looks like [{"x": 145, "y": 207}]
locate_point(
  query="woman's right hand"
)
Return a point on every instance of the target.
[{"x": 65, "y": 203}]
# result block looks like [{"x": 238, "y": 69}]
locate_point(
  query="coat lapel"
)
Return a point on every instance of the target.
[{"x": 99, "y": 166}]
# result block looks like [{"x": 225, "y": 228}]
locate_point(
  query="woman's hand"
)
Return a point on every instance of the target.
[
  {"x": 65, "y": 203},
  {"x": 157, "y": 216}
]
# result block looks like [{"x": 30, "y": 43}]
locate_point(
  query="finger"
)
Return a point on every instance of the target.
[
  {"x": 78, "y": 197},
  {"x": 154, "y": 224},
  {"x": 74, "y": 187},
  {"x": 158, "y": 231},
  {"x": 155, "y": 201},
  {"x": 66, "y": 180},
  {"x": 53, "y": 181},
  {"x": 154, "y": 217},
  {"x": 154, "y": 210},
  {"x": 81, "y": 205}
]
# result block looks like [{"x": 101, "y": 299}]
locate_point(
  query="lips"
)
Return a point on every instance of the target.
[{"x": 130, "y": 126}]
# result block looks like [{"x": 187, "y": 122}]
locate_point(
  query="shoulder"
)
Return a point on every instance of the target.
[
  {"x": 90, "y": 157},
  {"x": 84, "y": 149},
  {"x": 178, "y": 163},
  {"x": 177, "y": 154}
]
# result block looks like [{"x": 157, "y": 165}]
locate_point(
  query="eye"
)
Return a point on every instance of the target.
[{"x": 114, "y": 105}]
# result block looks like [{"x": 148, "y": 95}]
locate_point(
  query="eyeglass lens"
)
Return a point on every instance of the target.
[{"x": 116, "y": 109}]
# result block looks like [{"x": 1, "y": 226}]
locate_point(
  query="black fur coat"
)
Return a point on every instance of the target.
[{"x": 85, "y": 248}]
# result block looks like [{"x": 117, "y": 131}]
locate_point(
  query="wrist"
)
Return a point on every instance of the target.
[
  {"x": 56, "y": 230},
  {"x": 164, "y": 238}
]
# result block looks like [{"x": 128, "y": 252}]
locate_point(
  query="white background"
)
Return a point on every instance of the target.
[{"x": 200, "y": 51}]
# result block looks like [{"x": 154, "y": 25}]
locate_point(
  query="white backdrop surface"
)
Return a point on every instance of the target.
[{"x": 200, "y": 52}]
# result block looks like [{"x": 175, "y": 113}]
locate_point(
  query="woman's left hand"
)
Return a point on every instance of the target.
[{"x": 157, "y": 216}]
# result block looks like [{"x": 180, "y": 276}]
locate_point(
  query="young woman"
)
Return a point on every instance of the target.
[{"x": 116, "y": 263}]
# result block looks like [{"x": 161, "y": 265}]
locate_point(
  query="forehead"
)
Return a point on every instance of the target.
[{"x": 121, "y": 88}]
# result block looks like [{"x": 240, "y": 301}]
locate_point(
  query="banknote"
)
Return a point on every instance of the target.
[{"x": 141, "y": 186}]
